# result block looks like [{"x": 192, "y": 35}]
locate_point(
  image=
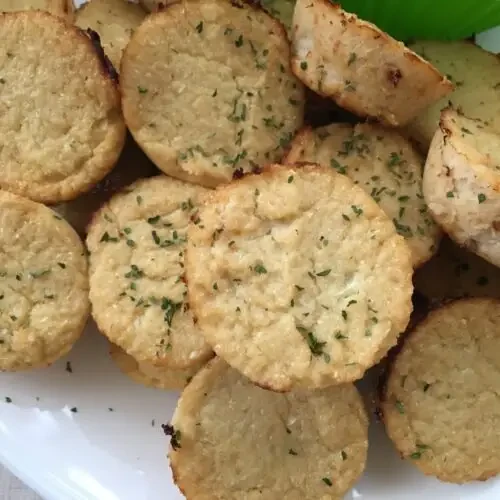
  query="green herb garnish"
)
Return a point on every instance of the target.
[
  {"x": 260, "y": 269},
  {"x": 326, "y": 272}
]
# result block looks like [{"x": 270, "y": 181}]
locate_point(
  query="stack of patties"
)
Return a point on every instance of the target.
[
  {"x": 269, "y": 265},
  {"x": 294, "y": 276},
  {"x": 138, "y": 288},
  {"x": 62, "y": 132},
  {"x": 300, "y": 283},
  {"x": 300, "y": 279}
]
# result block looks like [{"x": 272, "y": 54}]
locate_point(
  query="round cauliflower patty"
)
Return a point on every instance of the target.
[
  {"x": 233, "y": 440},
  {"x": 208, "y": 92},
  {"x": 61, "y": 127},
  {"x": 137, "y": 286},
  {"x": 386, "y": 166},
  {"x": 440, "y": 404},
  {"x": 43, "y": 285},
  {"x": 297, "y": 277}
]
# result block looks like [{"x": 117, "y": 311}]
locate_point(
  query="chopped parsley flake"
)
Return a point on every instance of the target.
[
  {"x": 315, "y": 346},
  {"x": 292, "y": 452},
  {"x": 239, "y": 137},
  {"x": 187, "y": 205},
  {"x": 156, "y": 238},
  {"x": 8, "y": 400},
  {"x": 394, "y": 159},
  {"x": 402, "y": 229},
  {"x": 450, "y": 194},
  {"x": 418, "y": 453},
  {"x": 107, "y": 238},
  {"x": 142, "y": 90},
  {"x": 337, "y": 166},
  {"x": 290, "y": 179},
  {"x": 260, "y": 269},
  {"x": 400, "y": 407},
  {"x": 326, "y": 272},
  {"x": 481, "y": 198},
  {"x": 352, "y": 58},
  {"x": 285, "y": 140},
  {"x": 175, "y": 436},
  {"x": 327, "y": 481},
  {"x": 134, "y": 273},
  {"x": 234, "y": 161},
  {"x": 170, "y": 307},
  {"x": 358, "y": 211},
  {"x": 39, "y": 274},
  {"x": 153, "y": 220},
  {"x": 303, "y": 65},
  {"x": 199, "y": 27}
]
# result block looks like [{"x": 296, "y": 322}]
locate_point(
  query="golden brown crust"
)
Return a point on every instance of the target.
[
  {"x": 270, "y": 279},
  {"x": 310, "y": 444},
  {"x": 385, "y": 165},
  {"x": 114, "y": 21},
  {"x": 132, "y": 165},
  {"x": 439, "y": 401},
  {"x": 232, "y": 60},
  {"x": 359, "y": 66},
  {"x": 71, "y": 130},
  {"x": 475, "y": 72},
  {"x": 61, "y": 8},
  {"x": 462, "y": 183},
  {"x": 43, "y": 285},
  {"x": 137, "y": 286},
  {"x": 150, "y": 375}
]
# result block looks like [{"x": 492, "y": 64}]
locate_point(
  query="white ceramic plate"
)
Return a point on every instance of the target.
[
  {"x": 95, "y": 435},
  {"x": 98, "y": 454}
]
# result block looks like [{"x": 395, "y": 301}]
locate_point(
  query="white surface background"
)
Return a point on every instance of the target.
[{"x": 12, "y": 488}]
